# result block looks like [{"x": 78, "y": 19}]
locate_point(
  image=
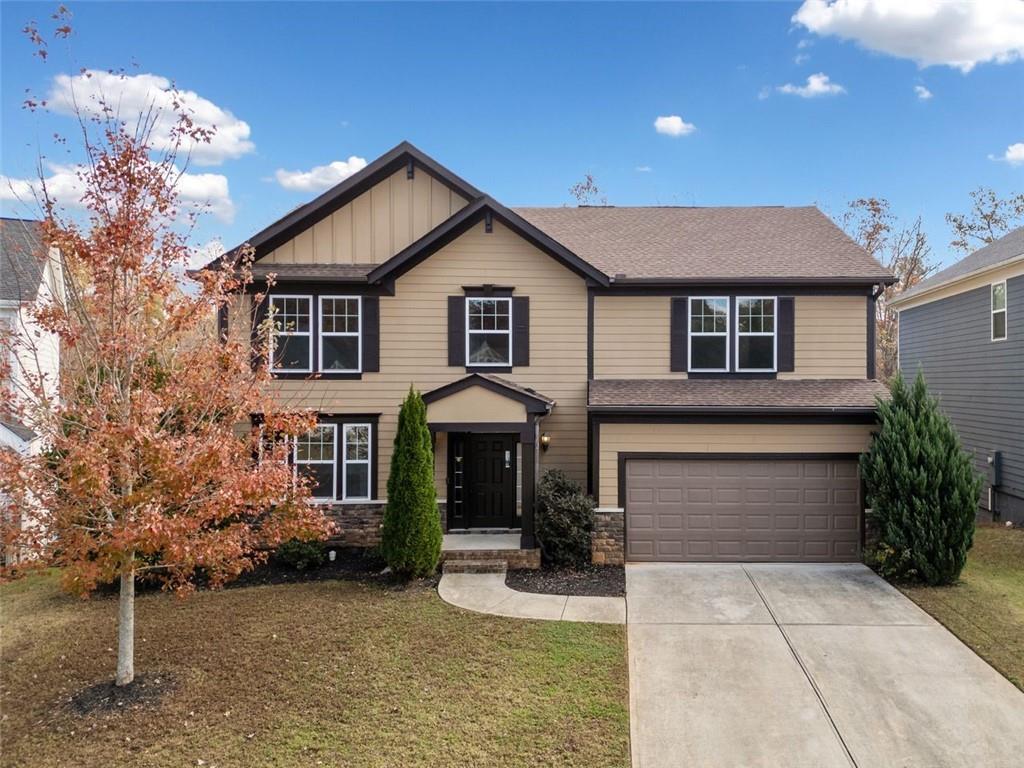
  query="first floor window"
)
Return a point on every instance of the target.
[
  {"x": 356, "y": 461},
  {"x": 489, "y": 331},
  {"x": 339, "y": 334},
  {"x": 315, "y": 458},
  {"x": 755, "y": 334},
  {"x": 999, "y": 311},
  {"x": 709, "y": 334},
  {"x": 293, "y": 334}
]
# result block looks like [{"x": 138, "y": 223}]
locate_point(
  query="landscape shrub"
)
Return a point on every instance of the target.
[
  {"x": 921, "y": 487},
  {"x": 411, "y": 533},
  {"x": 300, "y": 555},
  {"x": 564, "y": 520}
]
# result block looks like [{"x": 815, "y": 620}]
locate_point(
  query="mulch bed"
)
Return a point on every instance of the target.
[
  {"x": 145, "y": 690},
  {"x": 586, "y": 581}
]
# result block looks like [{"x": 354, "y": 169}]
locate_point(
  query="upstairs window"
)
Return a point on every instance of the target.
[
  {"x": 293, "y": 336},
  {"x": 315, "y": 458},
  {"x": 999, "y": 311},
  {"x": 755, "y": 334},
  {"x": 340, "y": 340},
  {"x": 709, "y": 334},
  {"x": 489, "y": 331}
]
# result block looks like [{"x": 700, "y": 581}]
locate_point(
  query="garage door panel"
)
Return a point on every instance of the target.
[{"x": 713, "y": 510}]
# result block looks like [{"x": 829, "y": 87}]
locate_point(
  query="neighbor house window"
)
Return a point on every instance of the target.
[
  {"x": 339, "y": 334},
  {"x": 356, "y": 462},
  {"x": 293, "y": 335},
  {"x": 999, "y": 311},
  {"x": 489, "y": 331},
  {"x": 709, "y": 334},
  {"x": 315, "y": 458},
  {"x": 755, "y": 334}
]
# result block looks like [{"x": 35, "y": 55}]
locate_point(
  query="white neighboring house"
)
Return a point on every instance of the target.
[{"x": 29, "y": 275}]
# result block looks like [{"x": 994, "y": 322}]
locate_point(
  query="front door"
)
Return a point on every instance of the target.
[{"x": 485, "y": 473}]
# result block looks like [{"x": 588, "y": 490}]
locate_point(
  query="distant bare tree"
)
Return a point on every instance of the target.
[
  {"x": 990, "y": 218},
  {"x": 904, "y": 250},
  {"x": 587, "y": 193}
]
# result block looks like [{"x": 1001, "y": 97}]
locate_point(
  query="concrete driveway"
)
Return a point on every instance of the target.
[{"x": 805, "y": 665}]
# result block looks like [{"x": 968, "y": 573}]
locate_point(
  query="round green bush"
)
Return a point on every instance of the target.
[{"x": 564, "y": 519}]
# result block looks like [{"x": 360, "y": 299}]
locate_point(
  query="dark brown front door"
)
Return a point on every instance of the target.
[{"x": 485, "y": 471}]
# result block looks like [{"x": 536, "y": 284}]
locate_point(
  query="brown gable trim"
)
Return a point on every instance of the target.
[
  {"x": 684, "y": 281},
  {"x": 781, "y": 287},
  {"x": 670, "y": 413},
  {"x": 305, "y": 216},
  {"x": 461, "y": 222},
  {"x": 533, "y": 403}
]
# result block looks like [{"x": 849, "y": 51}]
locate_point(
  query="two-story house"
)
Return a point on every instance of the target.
[
  {"x": 962, "y": 327},
  {"x": 707, "y": 373}
]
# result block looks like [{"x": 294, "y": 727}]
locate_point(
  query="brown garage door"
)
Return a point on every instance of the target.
[{"x": 704, "y": 510}]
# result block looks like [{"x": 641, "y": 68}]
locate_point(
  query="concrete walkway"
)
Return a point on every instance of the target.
[
  {"x": 822, "y": 666},
  {"x": 488, "y": 593}
]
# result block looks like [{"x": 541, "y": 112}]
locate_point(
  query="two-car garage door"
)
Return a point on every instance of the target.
[{"x": 731, "y": 509}]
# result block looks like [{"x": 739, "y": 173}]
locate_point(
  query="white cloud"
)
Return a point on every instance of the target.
[
  {"x": 817, "y": 85},
  {"x": 922, "y": 93},
  {"x": 131, "y": 96},
  {"x": 321, "y": 177},
  {"x": 955, "y": 33},
  {"x": 643, "y": 169},
  {"x": 208, "y": 191},
  {"x": 801, "y": 58},
  {"x": 1014, "y": 154},
  {"x": 805, "y": 43},
  {"x": 202, "y": 255},
  {"x": 673, "y": 125}
]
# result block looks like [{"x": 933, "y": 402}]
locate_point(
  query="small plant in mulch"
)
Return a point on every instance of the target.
[
  {"x": 564, "y": 520},
  {"x": 106, "y": 698}
]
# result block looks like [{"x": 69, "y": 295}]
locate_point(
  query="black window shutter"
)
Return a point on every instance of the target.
[
  {"x": 679, "y": 317},
  {"x": 259, "y": 314},
  {"x": 457, "y": 331},
  {"x": 520, "y": 330},
  {"x": 787, "y": 351},
  {"x": 222, "y": 322},
  {"x": 371, "y": 334}
]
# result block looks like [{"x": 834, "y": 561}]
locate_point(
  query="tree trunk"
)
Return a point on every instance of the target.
[{"x": 126, "y": 629}]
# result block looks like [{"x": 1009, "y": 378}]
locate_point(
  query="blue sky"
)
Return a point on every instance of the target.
[{"x": 522, "y": 100}]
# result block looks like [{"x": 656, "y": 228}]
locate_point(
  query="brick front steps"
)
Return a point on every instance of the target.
[
  {"x": 514, "y": 559},
  {"x": 475, "y": 566}
]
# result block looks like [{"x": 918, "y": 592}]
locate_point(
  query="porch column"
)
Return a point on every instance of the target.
[{"x": 529, "y": 463}]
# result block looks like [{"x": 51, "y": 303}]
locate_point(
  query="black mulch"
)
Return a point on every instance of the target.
[
  {"x": 146, "y": 690},
  {"x": 588, "y": 581}
]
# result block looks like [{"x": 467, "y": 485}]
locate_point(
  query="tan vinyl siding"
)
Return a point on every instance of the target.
[
  {"x": 414, "y": 343},
  {"x": 632, "y": 337},
  {"x": 376, "y": 225},
  {"x": 720, "y": 438},
  {"x": 830, "y": 338},
  {"x": 477, "y": 405}
]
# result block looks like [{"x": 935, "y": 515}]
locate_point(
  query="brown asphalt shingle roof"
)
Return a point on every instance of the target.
[
  {"x": 313, "y": 272},
  {"x": 22, "y": 258},
  {"x": 735, "y": 394},
  {"x": 707, "y": 243}
]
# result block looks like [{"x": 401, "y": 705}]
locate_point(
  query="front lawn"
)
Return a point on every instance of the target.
[
  {"x": 335, "y": 673},
  {"x": 986, "y": 608}
]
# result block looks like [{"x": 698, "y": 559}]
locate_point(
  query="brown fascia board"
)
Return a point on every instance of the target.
[
  {"x": 682, "y": 282},
  {"x": 307, "y": 215},
  {"x": 450, "y": 229},
  {"x": 672, "y": 410}
]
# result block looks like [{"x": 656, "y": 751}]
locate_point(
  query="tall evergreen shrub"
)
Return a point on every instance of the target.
[
  {"x": 411, "y": 535},
  {"x": 922, "y": 488}
]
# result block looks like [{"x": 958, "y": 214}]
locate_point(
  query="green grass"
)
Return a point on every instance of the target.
[
  {"x": 331, "y": 673},
  {"x": 986, "y": 608}
]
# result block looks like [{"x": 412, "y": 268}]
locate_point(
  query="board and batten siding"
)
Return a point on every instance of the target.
[
  {"x": 376, "y": 225},
  {"x": 414, "y": 344},
  {"x": 632, "y": 338},
  {"x": 618, "y": 438},
  {"x": 979, "y": 382}
]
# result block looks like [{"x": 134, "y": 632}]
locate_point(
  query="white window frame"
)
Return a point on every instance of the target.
[
  {"x": 309, "y": 335},
  {"x": 993, "y": 311},
  {"x": 321, "y": 334},
  {"x": 774, "y": 334},
  {"x": 333, "y": 463},
  {"x": 507, "y": 299},
  {"x": 345, "y": 461},
  {"x": 690, "y": 333}
]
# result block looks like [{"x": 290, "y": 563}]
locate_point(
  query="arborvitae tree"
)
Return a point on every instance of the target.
[
  {"x": 411, "y": 536},
  {"x": 922, "y": 488}
]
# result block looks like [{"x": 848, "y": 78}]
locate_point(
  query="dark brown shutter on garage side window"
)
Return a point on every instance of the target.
[
  {"x": 222, "y": 323},
  {"x": 371, "y": 334},
  {"x": 520, "y": 330},
  {"x": 259, "y": 314},
  {"x": 457, "y": 330},
  {"x": 678, "y": 318},
  {"x": 787, "y": 351}
]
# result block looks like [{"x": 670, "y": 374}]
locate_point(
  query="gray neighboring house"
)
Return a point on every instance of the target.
[{"x": 964, "y": 327}]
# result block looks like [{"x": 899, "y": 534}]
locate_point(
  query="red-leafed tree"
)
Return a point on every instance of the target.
[{"x": 149, "y": 465}]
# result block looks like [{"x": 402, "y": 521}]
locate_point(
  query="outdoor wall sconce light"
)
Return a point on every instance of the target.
[{"x": 545, "y": 441}]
